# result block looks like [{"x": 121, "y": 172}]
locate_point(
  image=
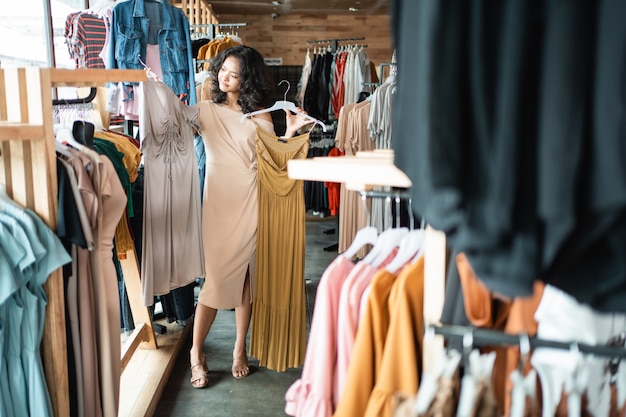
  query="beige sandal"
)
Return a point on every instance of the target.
[
  {"x": 240, "y": 367},
  {"x": 199, "y": 375}
]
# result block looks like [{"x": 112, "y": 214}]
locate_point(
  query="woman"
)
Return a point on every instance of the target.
[{"x": 239, "y": 85}]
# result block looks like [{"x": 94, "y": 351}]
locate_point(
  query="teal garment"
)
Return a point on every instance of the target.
[
  {"x": 26, "y": 257},
  {"x": 9, "y": 250},
  {"x": 8, "y": 285},
  {"x": 38, "y": 397},
  {"x": 6, "y": 407},
  {"x": 35, "y": 300},
  {"x": 10, "y": 259},
  {"x": 17, "y": 378},
  {"x": 26, "y": 307},
  {"x": 23, "y": 261}
]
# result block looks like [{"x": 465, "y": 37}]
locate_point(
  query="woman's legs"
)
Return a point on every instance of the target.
[
  {"x": 203, "y": 320},
  {"x": 243, "y": 313}
]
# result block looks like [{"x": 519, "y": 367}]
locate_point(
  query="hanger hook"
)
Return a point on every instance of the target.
[
  {"x": 468, "y": 341},
  {"x": 468, "y": 345},
  {"x": 367, "y": 211},
  {"x": 288, "y": 87},
  {"x": 429, "y": 334},
  {"x": 524, "y": 350},
  {"x": 398, "y": 201},
  {"x": 411, "y": 216}
]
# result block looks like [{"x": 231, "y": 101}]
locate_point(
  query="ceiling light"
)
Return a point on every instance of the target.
[
  {"x": 353, "y": 9},
  {"x": 276, "y": 3}
]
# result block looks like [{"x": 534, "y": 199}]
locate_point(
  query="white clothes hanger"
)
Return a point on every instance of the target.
[
  {"x": 480, "y": 369},
  {"x": 524, "y": 388},
  {"x": 64, "y": 136},
  {"x": 410, "y": 245},
  {"x": 62, "y": 149},
  {"x": 524, "y": 391},
  {"x": 284, "y": 105},
  {"x": 368, "y": 235},
  {"x": 149, "y": 73},
  {"x": 387, "y": 241},
  {"x": 446, "y": 366}
]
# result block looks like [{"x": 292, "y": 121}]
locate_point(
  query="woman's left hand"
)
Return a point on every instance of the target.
[{"x": 295, "y": 121}]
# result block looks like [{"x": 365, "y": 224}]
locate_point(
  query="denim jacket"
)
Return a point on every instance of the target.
[{"x": 129, "y": 33}]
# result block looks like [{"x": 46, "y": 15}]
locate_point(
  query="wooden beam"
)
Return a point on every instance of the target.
[
  {"x": 132, "y": 279},
  {"x": 20, "y": 131},
  {"x": 93, "y": 77},
  {"x": 140, "y": 334}
]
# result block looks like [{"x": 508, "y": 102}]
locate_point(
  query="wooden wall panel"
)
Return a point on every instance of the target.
[{"x": 286, "y": 36}]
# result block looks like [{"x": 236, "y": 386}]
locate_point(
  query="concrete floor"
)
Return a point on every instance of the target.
[{"x": 262, "y": 394}]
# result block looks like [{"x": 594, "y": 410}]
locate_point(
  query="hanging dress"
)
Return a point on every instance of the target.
[
  {"x": 172, "y": 251},
  {"x": 278, "y": 335}
]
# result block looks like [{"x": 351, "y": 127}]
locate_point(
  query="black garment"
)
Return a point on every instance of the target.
[
  {"x": 315, "y": 193},
  {"x": 311, "y": 104},
  {"x": 453, "y": 311},
  {"x": 317, "y": 93},
  {"x": 323, "y": 89},
  {"x": 70, "y": 232},
  {"x": 196, "y": 44},
  {"x": 69, "y": 228},
  {"x": 509, "y": 121}
]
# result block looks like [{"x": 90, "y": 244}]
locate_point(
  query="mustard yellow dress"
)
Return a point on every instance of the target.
[{"x": 278, "y": 333}]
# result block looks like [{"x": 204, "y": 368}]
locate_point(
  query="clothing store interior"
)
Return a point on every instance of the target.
[{"x": 445, "y": 237}]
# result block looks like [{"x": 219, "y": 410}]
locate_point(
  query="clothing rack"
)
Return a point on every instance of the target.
[
  {"x": 484, "y": 337},
  {"x": 212, "y": 26},
  {"x": 211, "y": 34},
  {"x": 28, "y": 170},
  {"x": 334, "y": 42}
]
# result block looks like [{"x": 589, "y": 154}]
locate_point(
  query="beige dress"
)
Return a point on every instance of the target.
[
  {"x": 171, "y": 246},
  {"x": 278, "y": 335},
  {"x": 229, "y": 208}
]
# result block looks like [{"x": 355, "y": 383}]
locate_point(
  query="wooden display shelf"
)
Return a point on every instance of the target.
[
  {"x": 147, "y": 371},
  {"x": 28, "y": 173}
]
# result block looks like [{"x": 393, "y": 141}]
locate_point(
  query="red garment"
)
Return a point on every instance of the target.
[
  {"x": 337, "y": 93},
  {"x": 333, "y": 188}
]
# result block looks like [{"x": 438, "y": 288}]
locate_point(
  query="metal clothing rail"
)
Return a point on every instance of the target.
[
  {"x": 483, "y": 337},
  {"x": 362, "y": 38},
  {"x": 229, "y": 25},
  {"x": 394, "y": 193},
  {"x": 335, "y": 42},
  {"x": 211, "y": 26},
  {"x": 84, "y": 100}
]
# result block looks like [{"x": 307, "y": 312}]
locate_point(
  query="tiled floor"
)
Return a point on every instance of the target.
[{"x": 262, "y": 394}]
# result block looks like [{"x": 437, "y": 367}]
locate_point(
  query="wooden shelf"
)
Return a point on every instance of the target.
[{"x": 28, "y": 171}]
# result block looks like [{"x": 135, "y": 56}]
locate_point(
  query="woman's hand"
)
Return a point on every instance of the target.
[{"x": 295, "y": 122}]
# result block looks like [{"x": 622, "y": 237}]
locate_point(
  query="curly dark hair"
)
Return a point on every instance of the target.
[{"x": 255, "y": 86}]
